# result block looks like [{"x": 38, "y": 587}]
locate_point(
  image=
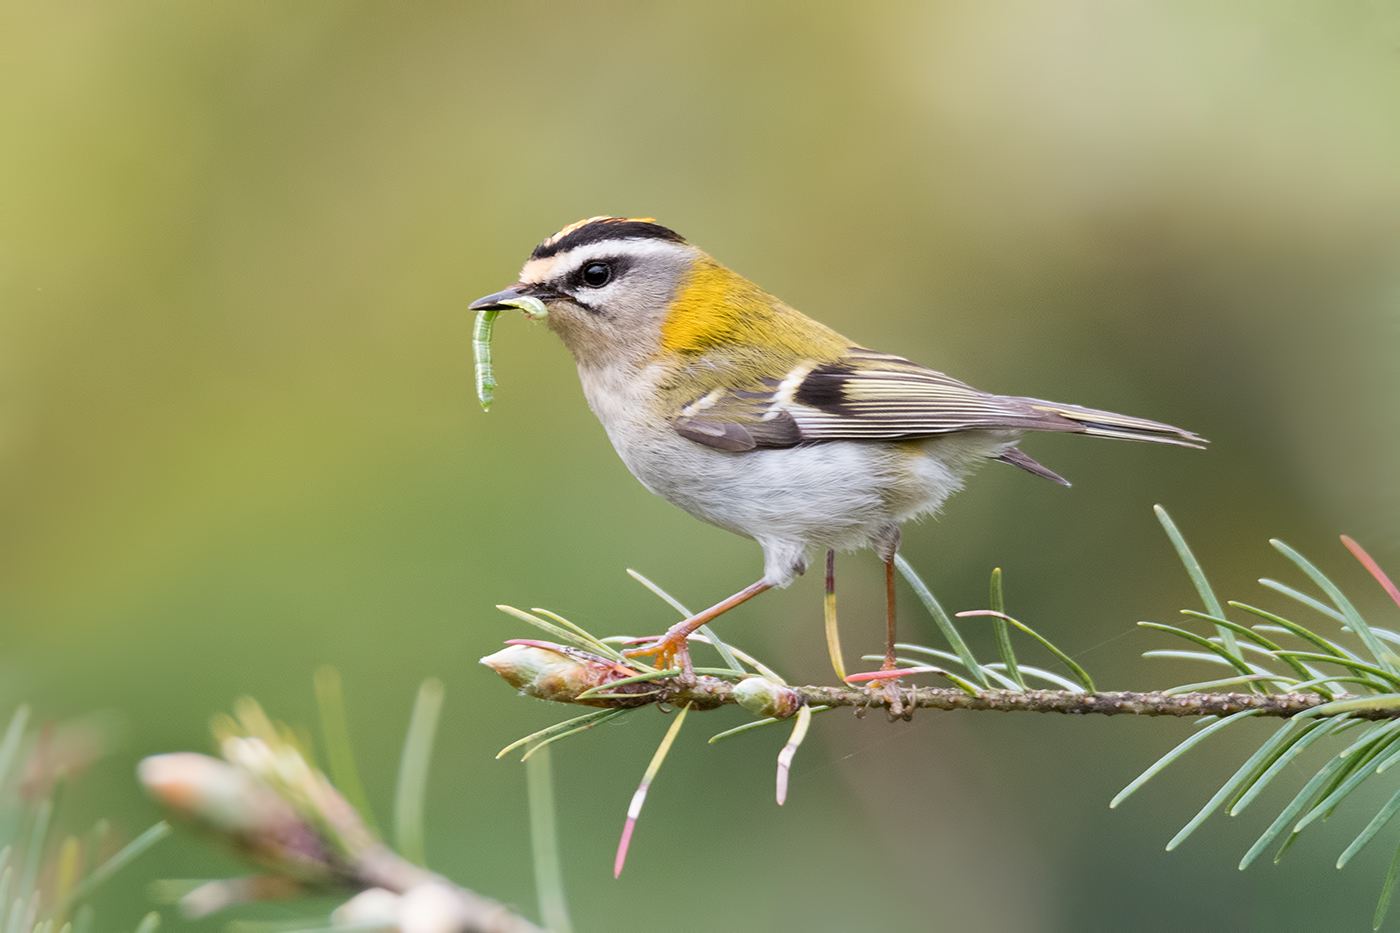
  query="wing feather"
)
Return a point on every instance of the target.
[{"x": 866, "y": 395}]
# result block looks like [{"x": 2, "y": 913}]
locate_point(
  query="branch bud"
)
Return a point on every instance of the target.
[
  {"x": 557, "y": 672},
  {"x": 763, "y": 697},
  {"x": 244, "y": 811}
]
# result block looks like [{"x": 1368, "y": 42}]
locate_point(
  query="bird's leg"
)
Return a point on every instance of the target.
[
  {"x": 891, "y": 686},
  {"x": 886, "y": 679},
  {"x": 889, "y": 664},
  {"x": 833, "y": 635},
  {"x": 671, "y": 647}
]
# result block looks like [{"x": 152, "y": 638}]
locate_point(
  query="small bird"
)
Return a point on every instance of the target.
[{"x": 753, "y": 417}]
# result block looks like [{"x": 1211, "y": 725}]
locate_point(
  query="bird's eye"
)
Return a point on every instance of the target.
[{"x": 597, "y": 274}]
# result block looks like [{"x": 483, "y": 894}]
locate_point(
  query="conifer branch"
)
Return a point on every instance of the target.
[{"x": 570, "y": 675}]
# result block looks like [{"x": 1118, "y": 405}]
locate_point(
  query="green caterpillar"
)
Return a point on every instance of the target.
[
  {"x": 481, "y": 348},
  {"x": 481, "y": 342}
]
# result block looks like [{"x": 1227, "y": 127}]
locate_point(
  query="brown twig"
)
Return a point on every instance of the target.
[
  {"x": 550, "y": 674},
  {"x": 1113, "y": 703}
]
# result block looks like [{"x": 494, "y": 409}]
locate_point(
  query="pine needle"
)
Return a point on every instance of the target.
[
  {"x": 340, "y": 755},
  {"x": 1392, "y": 806},
  {"x": 1181, "y": 749},
  {"x": 997, "y": 604},
  {"x": 799, "y": 732},
  {"x": 1290, "y": 812},
  {"x": 1080, "y": 674},
  {"x": 1197, "y": 575},
  {"x": 941, "y": 619},
  {"x": 114, "y": 864},
  {"x": 544, "y": 845},
  {"x": 1387, "y": 892},
  {"x": 1353, "y": 618},
  {"x": 550, "y": 740},
  {"x": 1374, "y": 569},
  {"x": 413, "y": 771},
  {"x": 729, "y": 660},
  {"x": 634, "y": 809},
  {"x": 10, "y": 745},
  {"x": 587, "y": 720}
]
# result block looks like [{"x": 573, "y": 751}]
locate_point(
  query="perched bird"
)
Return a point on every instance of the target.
[{"x": 753, "y": 417}]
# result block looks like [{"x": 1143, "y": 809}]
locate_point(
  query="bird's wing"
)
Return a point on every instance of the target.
[{"x": 875, "y": 396}]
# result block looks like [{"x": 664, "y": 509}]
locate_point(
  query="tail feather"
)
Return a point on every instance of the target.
[
  {"x": 1018, "y": 458},
  {"x": 1097, "y": 423}
]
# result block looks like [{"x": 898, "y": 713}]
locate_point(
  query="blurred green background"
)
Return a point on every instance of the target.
[{"x": 238, "y": 437}]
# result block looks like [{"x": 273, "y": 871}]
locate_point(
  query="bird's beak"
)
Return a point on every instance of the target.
[{"x": 513, "y": 297}]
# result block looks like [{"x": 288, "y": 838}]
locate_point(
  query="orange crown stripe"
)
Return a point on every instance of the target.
[{"x": 600, "y": 219}]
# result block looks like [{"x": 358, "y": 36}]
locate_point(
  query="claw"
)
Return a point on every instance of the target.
[
  {"x": 671, "y": 647},
  {"x": 883, "y": 685},
  {"x": 894, "y": 697},
  {"x": 668, "y": 650}
]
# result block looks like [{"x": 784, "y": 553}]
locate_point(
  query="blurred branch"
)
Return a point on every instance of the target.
[
  {"x": 267, "y": 803},
  {"x": 47, "y": 876}
]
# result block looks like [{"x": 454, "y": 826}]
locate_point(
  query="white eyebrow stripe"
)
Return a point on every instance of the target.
[{"x": 560, "y": 266}]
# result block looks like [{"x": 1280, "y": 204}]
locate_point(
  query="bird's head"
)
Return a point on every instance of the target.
[{"x": 605, "y": 285}]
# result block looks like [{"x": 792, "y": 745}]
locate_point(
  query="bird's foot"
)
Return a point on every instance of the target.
[
  {"x": 883, "y": 686},
  {"x": 671, "y": 652}
]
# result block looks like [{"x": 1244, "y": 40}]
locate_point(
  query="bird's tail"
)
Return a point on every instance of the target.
[{"x": 1123, "y": 427}]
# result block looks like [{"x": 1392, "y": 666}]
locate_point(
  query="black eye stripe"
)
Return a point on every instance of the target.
[{"x": 580, "y": 280}]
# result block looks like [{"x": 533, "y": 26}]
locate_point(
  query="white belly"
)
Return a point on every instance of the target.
[{"x": 843, "y": 495}]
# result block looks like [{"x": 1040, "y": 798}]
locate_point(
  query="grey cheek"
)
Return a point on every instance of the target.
[{"x": 658, "y": 283}]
